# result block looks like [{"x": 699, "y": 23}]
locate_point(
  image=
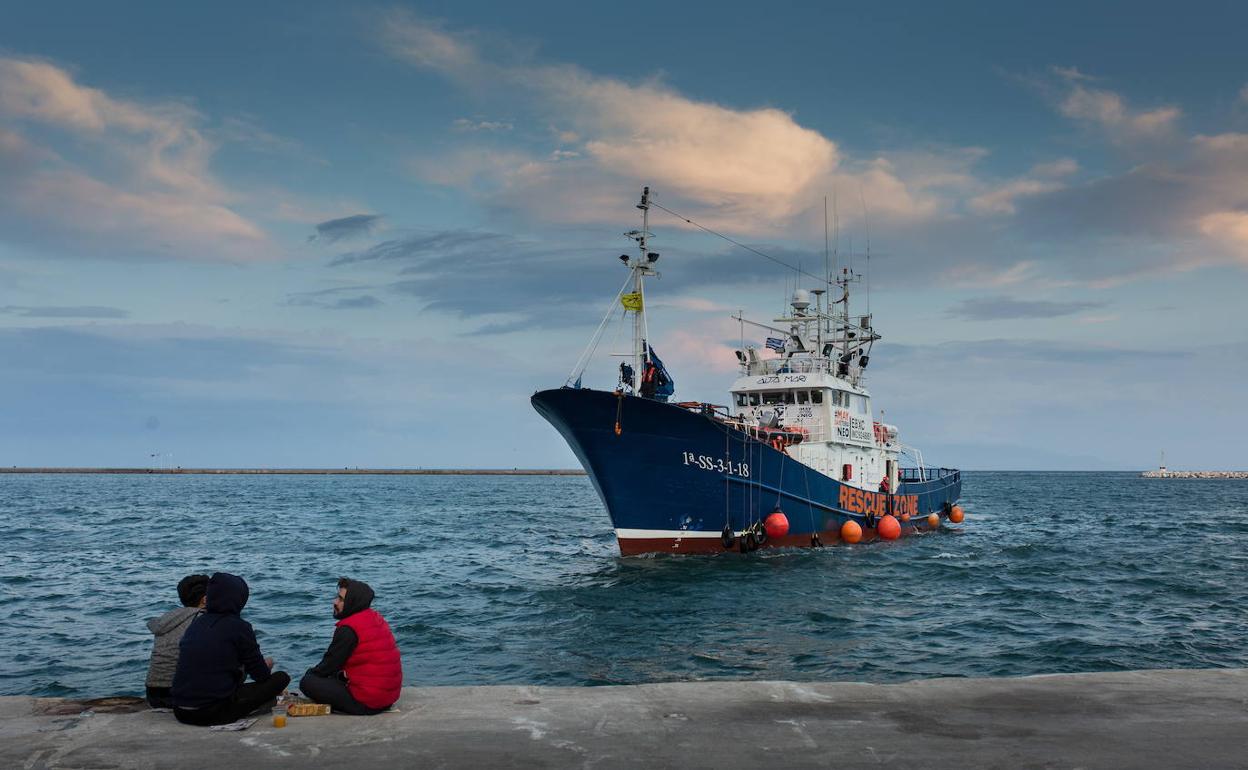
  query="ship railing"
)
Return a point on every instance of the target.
[
  {"x": 811, "y": 436},
  {"x": 790, "y": 366},
  {"x": 928, "y": 474}
]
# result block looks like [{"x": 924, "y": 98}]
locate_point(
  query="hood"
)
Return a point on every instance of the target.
[
  {"x": 171, "y": 620},
  {"x": 227, "y": 594},
  {"x": 359, "y": 597}
]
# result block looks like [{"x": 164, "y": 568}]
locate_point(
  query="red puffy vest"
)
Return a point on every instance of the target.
[{"x": 374, "y": 671}]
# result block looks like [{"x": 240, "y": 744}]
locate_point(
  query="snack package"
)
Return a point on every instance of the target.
[{"x": 308, "y": 709}]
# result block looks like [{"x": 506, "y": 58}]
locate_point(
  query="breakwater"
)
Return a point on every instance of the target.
[
  {"x": 1165, "y": 474},
  {"x": 315, "y": 471}
]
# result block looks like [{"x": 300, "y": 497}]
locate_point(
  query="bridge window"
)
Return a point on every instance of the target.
[
  {"x": 753, "y": 399},
  {"x": 741, "y": 399},
  {"x": 802, "y": 396},
  {"x": 816, "y": 397}
]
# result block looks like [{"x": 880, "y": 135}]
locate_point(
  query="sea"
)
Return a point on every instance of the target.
[{"x": 518, "y": 580}]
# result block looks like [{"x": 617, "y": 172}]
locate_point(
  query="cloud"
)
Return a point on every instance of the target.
[
  {"x": 357, "y": 303},
  {"x": 110, "y": 177},
  {"x": 1110, "y": 112},
  {"x": 345, "y": 228},
  {"x": 1050, "y": 391},
  {"x": 692, "y": 304},
  {"x": 1229, "y": 228},
  {"x": 1181, "y": 210},
  {"x": 333, "y": 299},
  {"x": 975, "y": 276},
  {"x": 756, "y": 169},
  {"x": 473, "y": 126},
  {"x": 1042, "y": 179},
  {"x": 252, "y": 398},
  {"x": 1007, "y": 308},
  {"x": 509, "y": 283},
  {"x": 46, "y": 311}
]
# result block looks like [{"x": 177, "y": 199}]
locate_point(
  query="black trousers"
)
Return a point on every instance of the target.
[
  {"x": 332, "y": 690},
  {"x": 246, "y": 699},
  {"x": 160, "y": 697}
]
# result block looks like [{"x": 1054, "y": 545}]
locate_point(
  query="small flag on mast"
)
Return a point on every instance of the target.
[
  {"x": 631, "y": 301},
  {"x": 776, "y": 344}
]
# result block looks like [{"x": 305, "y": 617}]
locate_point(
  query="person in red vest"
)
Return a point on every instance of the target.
[{"x": 361, "y": 673}]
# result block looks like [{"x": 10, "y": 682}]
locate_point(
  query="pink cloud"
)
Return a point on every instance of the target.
[
  {"x": 752, "y": 170},
  {"x": 149, "y": 190},
  {"x": 1110, "y": 111}
]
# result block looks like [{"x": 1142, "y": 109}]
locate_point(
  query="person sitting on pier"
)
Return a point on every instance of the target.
[
  {"x": 216, "y": 654},
  {"x": 168, "y": 629},
  {"x": 361, "y": 673}
]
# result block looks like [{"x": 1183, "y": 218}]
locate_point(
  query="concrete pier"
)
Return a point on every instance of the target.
[
  {"x": 1162, "y": 473},
  {"x": 1140, "y": 719}
]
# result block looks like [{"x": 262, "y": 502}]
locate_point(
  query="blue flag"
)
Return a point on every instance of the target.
[
  {"x": 664, "y": 385},
  {"x": 776, "y": 344}
]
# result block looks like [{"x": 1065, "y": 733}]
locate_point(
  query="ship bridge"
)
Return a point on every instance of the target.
[{"x": 812, "y": 384}]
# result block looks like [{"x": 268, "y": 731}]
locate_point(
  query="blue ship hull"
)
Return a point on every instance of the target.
[{"x": 674, "y": 479}]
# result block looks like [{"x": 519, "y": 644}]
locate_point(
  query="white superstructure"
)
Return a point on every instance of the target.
[{"x": 808, "y": 390}]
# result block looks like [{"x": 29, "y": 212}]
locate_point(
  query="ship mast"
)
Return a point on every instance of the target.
[{"x": 642, "y": 266}]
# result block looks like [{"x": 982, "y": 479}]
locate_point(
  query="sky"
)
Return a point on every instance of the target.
[{"x": 362, "y": 235}]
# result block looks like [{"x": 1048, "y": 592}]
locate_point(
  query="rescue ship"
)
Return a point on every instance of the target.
[{"x": 794, "y": 460}]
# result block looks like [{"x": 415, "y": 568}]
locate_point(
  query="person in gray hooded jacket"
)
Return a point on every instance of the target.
[{"x": 168, "y": 629}]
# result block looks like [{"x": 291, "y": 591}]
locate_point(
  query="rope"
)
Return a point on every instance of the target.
[
  {"x": 780, "y": 486},
  {"x": 809, "y": 507},
  {"x": 727, "y": 486},
  {"x": 583, "y": 361},
  {"x": 780, "y": 262}
]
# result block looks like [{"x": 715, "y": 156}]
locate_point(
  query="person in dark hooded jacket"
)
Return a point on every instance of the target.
[
  {"x": 215, "y": 656},
  {"x": 361, "y": 673}
]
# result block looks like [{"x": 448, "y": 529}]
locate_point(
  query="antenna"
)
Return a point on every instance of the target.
[
  {"x": 836, "y": 248},
  {"x": 827, "y": 271},
  {"x": 866, "y": 220},
  {"x": 836, "y": 225}
]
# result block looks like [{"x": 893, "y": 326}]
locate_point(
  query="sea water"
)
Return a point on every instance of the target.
[{"x": 490, "y": 580}]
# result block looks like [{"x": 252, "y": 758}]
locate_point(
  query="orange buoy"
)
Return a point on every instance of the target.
[
  {"x": 956, "y": 514},
  {"x": 905, "y": 516},
  {"x": 851, "y": 532},
  {"x": 888, "y": 528},
  {"x": 776, "y": 524},
  {"x": 933, "y": 520}
]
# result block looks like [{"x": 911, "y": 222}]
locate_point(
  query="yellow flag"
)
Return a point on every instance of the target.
[{"x": 631, "y": 302}]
